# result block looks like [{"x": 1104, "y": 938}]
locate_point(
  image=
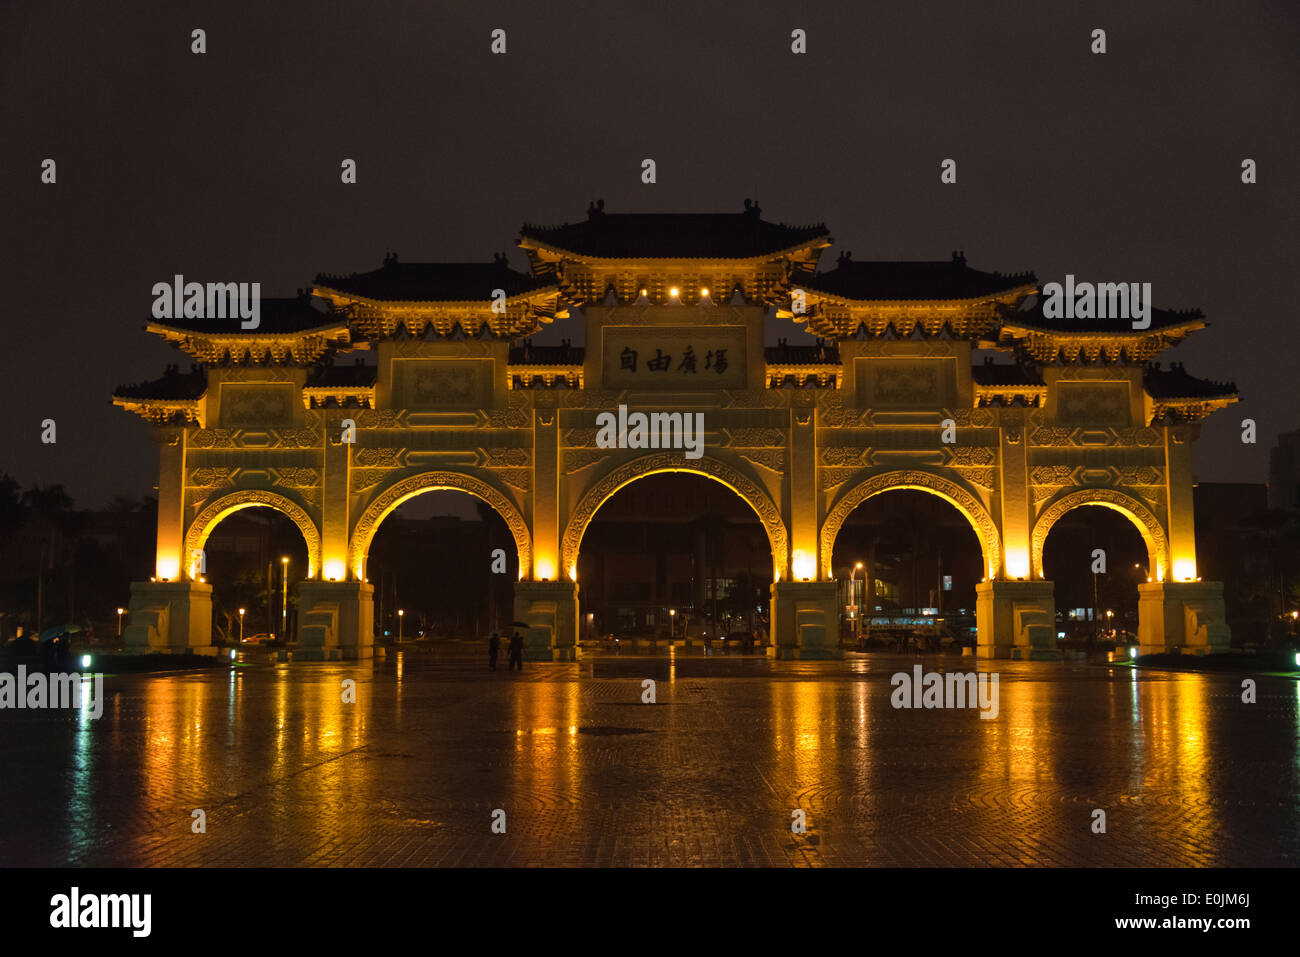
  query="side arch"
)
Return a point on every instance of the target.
[
  {"x": 1153, "y": 533},
  {"x": 960, "y": 498},
  {"x": 215, "y": 511},
  {"x": 749, "y": 490},
  {"x": 363, "y": 533}
]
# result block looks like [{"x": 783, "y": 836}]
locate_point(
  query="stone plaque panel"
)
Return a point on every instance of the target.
[{"x": 683, "y": 358}]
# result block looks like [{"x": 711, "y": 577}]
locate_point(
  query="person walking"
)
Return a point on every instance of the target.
[
  {"x": 494, "y": 646},
  {"x": 516, "y": 652}
]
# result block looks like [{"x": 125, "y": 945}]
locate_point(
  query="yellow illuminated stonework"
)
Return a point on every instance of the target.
[{"x": 380, "y": 386}]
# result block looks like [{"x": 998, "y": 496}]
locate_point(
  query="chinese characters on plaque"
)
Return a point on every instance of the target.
[{"x": 715, "y": 360}]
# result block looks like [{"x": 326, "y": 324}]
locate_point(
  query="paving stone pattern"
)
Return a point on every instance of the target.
[{"x": 411, "y": 773}]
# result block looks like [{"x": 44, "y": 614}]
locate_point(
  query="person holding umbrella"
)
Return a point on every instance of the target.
[
  {"x": 516, "y": 647},
  {"x": 55, "y": 650}
]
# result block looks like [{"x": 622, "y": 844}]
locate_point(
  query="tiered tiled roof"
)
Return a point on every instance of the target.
[
  {"x": 441, "y": 300},
  {"x": 292, "y": 331},
  {"x": 1033, "y": 335},
  {"x": 898, "y": 299},
  {"x": 564, "y": 354},
  {"x": 1001, "y": 383},
  {"x": 899, "y": 281},
  {"x": 802, "y": 366},
  {"x": 171, "y": 399},
  {"x": 820, "y": 353},
  {"x": 533, "y": 367},
  {"x": 350, "y": 386},
  {"x": 673, "y": 235},
  {"x": 691, "y": 259},
  {"x": 1178, "y": 396},
  {"x": 433, "y": 282},
  {"x": 1177, "y": 383}
]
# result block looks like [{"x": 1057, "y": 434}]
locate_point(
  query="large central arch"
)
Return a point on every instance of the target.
[
  {"x": 757, "y": 499},
  {"x": 1153, "y": 533},
  {"x": 964, "y": 501},
  {"x": 364, "y": 532},
  {"x": 218, "y": 509}
]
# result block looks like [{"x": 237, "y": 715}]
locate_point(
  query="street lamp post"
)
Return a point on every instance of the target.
[
  {"x": 400, "y": 615},
  {"x": 241, "y": 624},
  {"x": 120, "y": 613},
  {"x": 672, "y": 623},
  {"x": 1109, "y": 623},
  {"x": 857, "y": 606},
  {"x": 284, "y": 597}
]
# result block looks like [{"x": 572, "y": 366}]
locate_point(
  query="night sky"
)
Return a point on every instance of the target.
[{"x": 225, "y": 166}]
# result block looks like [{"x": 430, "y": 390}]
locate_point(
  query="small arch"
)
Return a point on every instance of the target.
[
  {"x": 215, "y": 511},
  {"x": 749, "y": 490},
  {"x": 1153, "y": 533},
  {"x": 364, "y": 531},
  {"x": 960, "y": 498}
]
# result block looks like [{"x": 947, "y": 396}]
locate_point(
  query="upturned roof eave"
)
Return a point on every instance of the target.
[
  {"x": 166, "y": 331},
  {"x": 536, "y": 245},
  {"x": 1185, "y": 327},
  {"x": 374, "y": 303},
  {"x": 999, "y": 295}
]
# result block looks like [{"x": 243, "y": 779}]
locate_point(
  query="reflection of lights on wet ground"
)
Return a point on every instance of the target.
[
  {"x": 822, "y": 730},
  {"x": 87, "y": 690},
  {"x": 571, "y": 729}
]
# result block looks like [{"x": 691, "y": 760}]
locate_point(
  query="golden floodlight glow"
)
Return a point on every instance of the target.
[
  {"x": 704, "y": 291},
  {"x": 802, "y": 566},
  {"x": 673, "y": 292},
  {"x": 335, "y": 569},
  {"x": 1018, "y": 562}
]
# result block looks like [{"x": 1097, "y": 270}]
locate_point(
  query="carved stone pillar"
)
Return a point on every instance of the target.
[
  {"x": 1182, "y": 616},
  {"x": 335, "y": 621},
  {"x": 805, "y": 620},
  {"x": 551, "y": 611},
  {"x": 170, "y": 618},
  {"x": 1016, "y": 620},
  {"x": 170, "y": 563}
]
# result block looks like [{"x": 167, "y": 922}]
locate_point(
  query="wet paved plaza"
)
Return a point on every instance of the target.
[{"x": 411, "y": 773}]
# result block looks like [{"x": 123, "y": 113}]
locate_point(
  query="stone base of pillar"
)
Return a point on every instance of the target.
[
  {"x": 805, "y": 621},
  {"x": 1016, "y": 620},
  {"x": 1186, "y": 617},
  {"x": 170, "y": 618},
  {"x": 551, "y": 610},
  {"x": 336, "y": 620}
]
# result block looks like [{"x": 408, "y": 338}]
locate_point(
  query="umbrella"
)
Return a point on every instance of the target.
[{"x": 58, "y": 631}]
